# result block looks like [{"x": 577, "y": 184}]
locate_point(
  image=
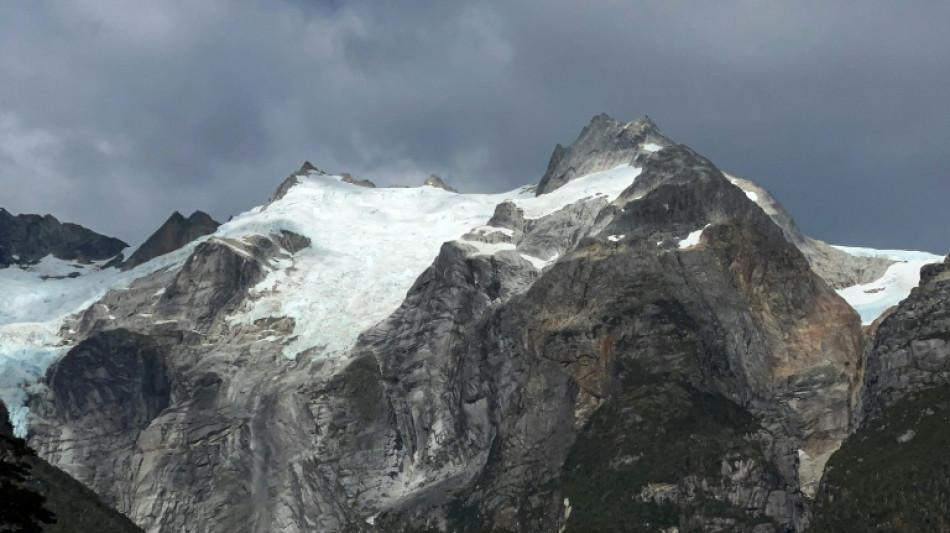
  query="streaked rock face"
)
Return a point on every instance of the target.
[{"x": 594, "y": 363}]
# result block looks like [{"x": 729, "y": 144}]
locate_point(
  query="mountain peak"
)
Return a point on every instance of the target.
[
  {"x": 176, "y": 232},
  {"x": 435, "y": 181},
  {"x": 603, "y": 144}
]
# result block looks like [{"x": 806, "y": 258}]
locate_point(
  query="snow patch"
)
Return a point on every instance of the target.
[
  {"x": 872, "y": 299},
  {"x": 693, "y": 238},
  {"x": 485, "y": 248},
  {"x": 537, "y": 262},
  {"x": 606, "y": 183},
  {"x": 906, "y": 436},
  {"x": 652, "y": 147},
  {"x": 616, "y": 238}
]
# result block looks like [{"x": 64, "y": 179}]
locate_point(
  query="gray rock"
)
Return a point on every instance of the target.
[
  {"x": 25, "y": 239},
  {"x": 347, "y": 178},
  {"x": 175, "y": 233},
  {"x": 603, "y": 144}
]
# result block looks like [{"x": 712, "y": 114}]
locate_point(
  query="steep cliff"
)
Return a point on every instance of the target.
[
  {"x": 892, "y": 474},
  {"x": 71, "y": 506}
]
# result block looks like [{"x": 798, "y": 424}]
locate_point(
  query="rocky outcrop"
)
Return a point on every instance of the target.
[
  {"x": 436, "y": 181},
  {"x": 603, "y": 144},
  {"x": 175, "y": 233},
  {"x": 291, "y": 180},
  {"x": 347, "y": 178},
  {"x": 911, "y": 349},
  {"x": 25, "y": 239}
]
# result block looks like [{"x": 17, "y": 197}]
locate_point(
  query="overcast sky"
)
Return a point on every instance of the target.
[{"x": 113, "y": 114}]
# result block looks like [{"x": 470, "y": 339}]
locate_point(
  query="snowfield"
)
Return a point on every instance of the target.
[
  {"x": 871, "y": 300},
  {"x": 368, "y": 246}
]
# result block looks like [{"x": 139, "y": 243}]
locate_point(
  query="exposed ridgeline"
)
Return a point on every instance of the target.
[
  {"x": 176, "y": 232},
  {"x": 606, "y": 143},
  {"x": 894, "y": 472},
  {"x": 645, "y": 345},
  {"x": 25, "y": 239}
]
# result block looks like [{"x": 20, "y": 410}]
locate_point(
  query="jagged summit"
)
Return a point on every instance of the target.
[
  {"x": 603, "y": 144},
  {"x": 308, "y": 167},
  {"x": 176, "y": 232},
  {"x": 435, "y": 181},
  {"x": 26, "y": 239}
]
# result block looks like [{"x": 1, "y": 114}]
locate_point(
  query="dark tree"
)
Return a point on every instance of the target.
[{"x": 22, "y": 509}]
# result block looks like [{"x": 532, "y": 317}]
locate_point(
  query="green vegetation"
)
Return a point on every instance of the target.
[
  {"x": 894, "y": 474},
  {"x": 655, "y": 433}
]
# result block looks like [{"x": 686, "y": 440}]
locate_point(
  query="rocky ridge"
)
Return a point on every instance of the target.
[
  {"x": 176, "y": 232},
  {"x": 26, "y": 239}
]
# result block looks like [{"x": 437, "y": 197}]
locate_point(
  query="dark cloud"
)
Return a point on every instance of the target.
[{"x": 114, "y": 113}]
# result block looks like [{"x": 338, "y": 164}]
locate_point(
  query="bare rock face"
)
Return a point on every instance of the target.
[
  {"x": 837, "y": 268},
  {"x": 74, "y": 508},
  {"x": 175, "y": 233},
  {"x": 26, "y": 239},
  {"x": 892, "y": 472},
  {"x": 665, "y": 360},
  {"x": 603, "y": 144},
  {"x": 911, "y": 350},
  {"x": 347, "y": 178}
]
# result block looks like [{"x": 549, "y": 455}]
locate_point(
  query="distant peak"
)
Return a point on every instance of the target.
[
  {"x": 200, "y": 216},
  {"x": 604, "y": 121},
  {"x": 307, "y": 168},
  {"x": 436, "y": 181}
]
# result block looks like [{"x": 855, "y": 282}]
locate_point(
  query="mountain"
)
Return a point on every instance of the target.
[
  {"x": 74, "y": 508},
  {"x": 26, "y": 239},
  {"x": 641, "y": 342},
  {"x": 176, "y": 232}
]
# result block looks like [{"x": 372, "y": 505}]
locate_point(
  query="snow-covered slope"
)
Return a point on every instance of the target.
[
  {"x": 368, "y": 246},
  {"x": 870, "y": 300}
]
